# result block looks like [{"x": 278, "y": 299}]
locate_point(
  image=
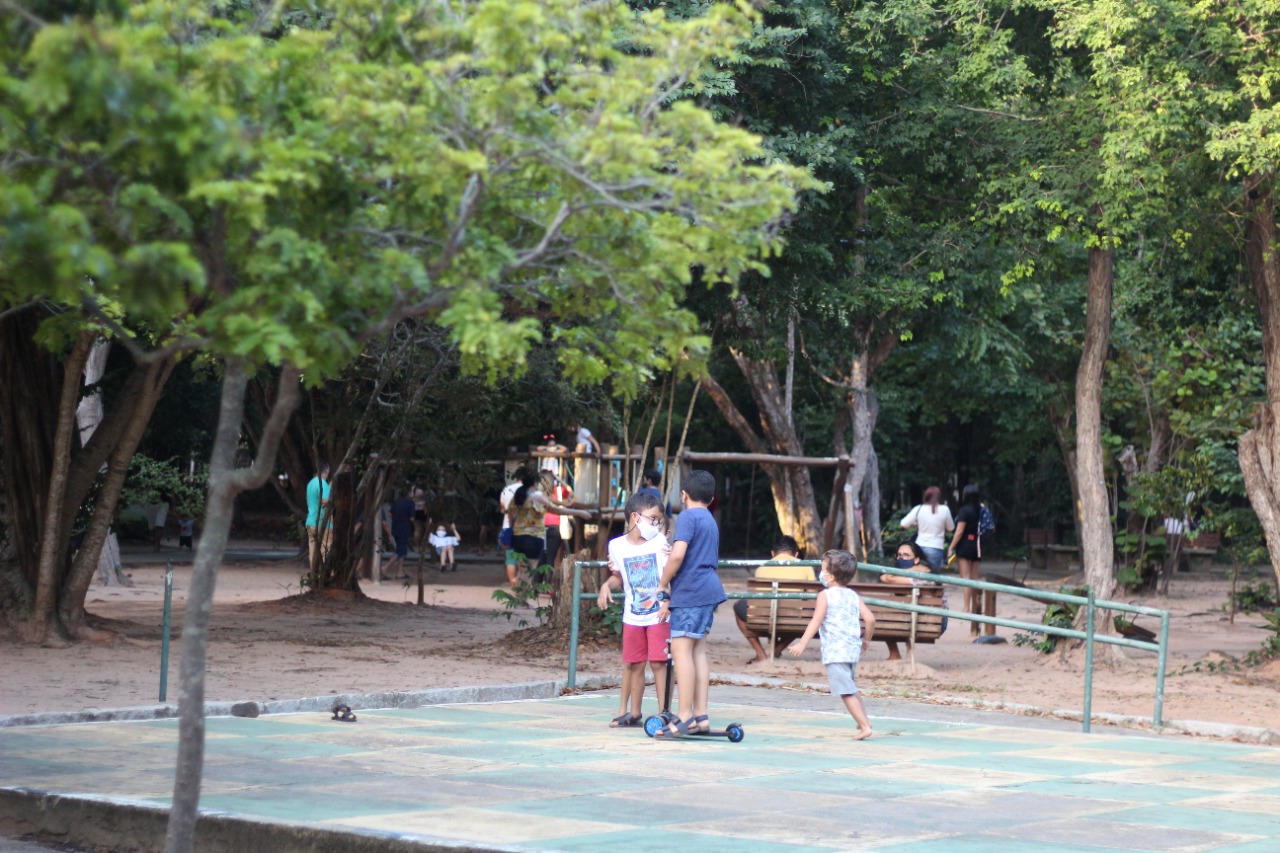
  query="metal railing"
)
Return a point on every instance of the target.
[{"x": 1089, "y": 634}]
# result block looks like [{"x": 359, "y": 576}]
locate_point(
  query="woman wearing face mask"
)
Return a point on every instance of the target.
[{"x": 911, "y": 556}]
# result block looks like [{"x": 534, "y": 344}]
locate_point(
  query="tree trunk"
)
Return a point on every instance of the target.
[
  {"x": 790, "y": 521},
  {"x": 30, "y": 382},
  {"x": 137, "y": 410},
  {"x": 1096, "y": 543},
  {"x": 225, "y": 482},
  {"x": 1259, "y": 448},
  {"x": 54, "y": 540},
  {"x": 44, "y": 498}
]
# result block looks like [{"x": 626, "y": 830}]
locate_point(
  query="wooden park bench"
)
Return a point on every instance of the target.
[
  {"x": 774, "y": 618},
  {"x": 1199, "y": 553}
]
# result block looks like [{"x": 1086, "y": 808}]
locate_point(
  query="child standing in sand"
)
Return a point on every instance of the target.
[{"x": 843, "y": 641}]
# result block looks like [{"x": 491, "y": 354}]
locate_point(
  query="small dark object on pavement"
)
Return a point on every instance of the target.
[{"x": 343, "y": 714}]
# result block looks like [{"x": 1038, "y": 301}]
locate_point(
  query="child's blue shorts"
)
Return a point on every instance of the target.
[{"x": 692, "y": 622}]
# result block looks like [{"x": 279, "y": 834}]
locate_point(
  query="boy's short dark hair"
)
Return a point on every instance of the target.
[
  {"x": 641, "y": 501},
  {"x": 786, "y": 543},
  {"x": 653, "y": 477},
  {"x": 842, "y": 566},
  {"x": 700, "y": 486}
]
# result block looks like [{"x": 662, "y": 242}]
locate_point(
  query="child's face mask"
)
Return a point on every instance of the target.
[
  {"x": 647, "y": 530},
  {"x": 439, "y": 531}
]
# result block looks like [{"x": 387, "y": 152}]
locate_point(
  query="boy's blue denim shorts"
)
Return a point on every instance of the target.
[{"x": 693, "y": 622}]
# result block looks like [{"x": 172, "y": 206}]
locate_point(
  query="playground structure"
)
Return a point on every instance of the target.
[{"x": 602, "y": 483}]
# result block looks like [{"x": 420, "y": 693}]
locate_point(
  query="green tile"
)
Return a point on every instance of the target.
[
  {"x": 1120, "y": 792},
  {"x": 985, "y": 844},
  {"x": 615, "y": 810},
  {"x": 307, "y": 806},
  {"x": 1209, "y": 820},
  {"x": 778, "y": 761},
  {"x": 540, "y": 779},
  {"x": 667, "y": 840},
  {"x": 844, "y": 783},
  {"x": 1173, "y": 746},
  {"x": 1006, "y": 763},
  {"x": 942, "y": 743},
  {"x": 1228, "y": 767},
  {"x": 260, "y": 748},
  {"x": 504, "y": 753}
]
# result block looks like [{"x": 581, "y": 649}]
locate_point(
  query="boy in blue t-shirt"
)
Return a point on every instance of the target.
[{"x": 694, "y": 592}]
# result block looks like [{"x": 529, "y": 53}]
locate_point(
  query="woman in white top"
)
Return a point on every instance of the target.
[{"x": 932, "y": 520}]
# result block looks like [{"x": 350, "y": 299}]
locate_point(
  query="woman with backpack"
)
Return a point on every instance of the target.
[
  {"x": 966, "y": 547},
  {"x": 932, "y": 520}
]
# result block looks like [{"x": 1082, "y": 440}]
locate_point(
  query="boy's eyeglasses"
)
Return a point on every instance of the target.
[{"x": 652, "y": 519}]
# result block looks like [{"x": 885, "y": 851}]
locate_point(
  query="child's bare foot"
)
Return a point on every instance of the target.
[{"x": 862, "y": 734}]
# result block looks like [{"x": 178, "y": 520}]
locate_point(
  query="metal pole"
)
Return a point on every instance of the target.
[
  {"x": 164, "y": 631},
  {"x": 1088, "y": 664},
  {"x": 573, "y": 625},
  {"x": 1158, "y": 719}
]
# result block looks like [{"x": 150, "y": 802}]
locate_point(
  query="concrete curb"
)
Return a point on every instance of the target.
[
  {"x": 1198, "y": 728},
  {"x": 324, "y": 704}
]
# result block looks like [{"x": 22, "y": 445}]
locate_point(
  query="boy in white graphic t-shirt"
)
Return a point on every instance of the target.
[{"x": 636, "y": 560}]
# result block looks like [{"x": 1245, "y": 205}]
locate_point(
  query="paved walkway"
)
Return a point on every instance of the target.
[{"x": 550, "y": 775}]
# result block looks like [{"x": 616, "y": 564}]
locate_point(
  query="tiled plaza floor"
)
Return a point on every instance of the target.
[{"x": 550, "y": 775}]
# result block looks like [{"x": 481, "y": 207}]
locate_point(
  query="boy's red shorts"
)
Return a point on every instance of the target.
[{"x": 642, "y": 643}]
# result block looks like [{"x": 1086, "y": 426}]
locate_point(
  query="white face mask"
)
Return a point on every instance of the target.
[
  {"x": 440, "y": 531},
  {"x": 647, "y": 530}
]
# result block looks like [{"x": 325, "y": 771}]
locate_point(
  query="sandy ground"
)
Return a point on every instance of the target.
[{"x": 268, "y": 645}]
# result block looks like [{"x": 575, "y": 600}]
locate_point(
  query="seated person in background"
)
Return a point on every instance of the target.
[
  {"x": 911, "y": 556},
  {"x": 784, "y": 550}
]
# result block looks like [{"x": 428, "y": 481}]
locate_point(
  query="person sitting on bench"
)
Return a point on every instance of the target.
[
  {"x": 911, "y": 556},
  {"x": 784, "y": 550}
]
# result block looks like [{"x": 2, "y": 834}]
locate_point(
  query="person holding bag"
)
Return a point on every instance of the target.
[{"x": 932, "y": 520}]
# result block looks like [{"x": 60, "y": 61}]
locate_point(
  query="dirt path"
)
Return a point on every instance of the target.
[{"x": 266, "y": 645}]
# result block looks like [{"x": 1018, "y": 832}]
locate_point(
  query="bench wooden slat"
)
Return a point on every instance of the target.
[{"x": 793, "y": 615}]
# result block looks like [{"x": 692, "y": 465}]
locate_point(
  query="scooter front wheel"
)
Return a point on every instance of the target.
[{"x": 653, "y": 725}]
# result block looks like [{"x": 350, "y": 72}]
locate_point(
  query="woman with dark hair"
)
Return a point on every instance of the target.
[
  {"x": 911, "y": 556},
  {"x": 932, "y": 520},
  {"x": 527, "y": 526},
  {"x": 967, "y": 549}
]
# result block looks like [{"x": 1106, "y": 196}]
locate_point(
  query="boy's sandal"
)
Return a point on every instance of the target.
[
  {"x": 677, "y": 728},
  {"x": 624, "y": 721},
  {"x": 699, "y": 725}
]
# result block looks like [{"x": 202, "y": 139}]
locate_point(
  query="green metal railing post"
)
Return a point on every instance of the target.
[
  {"x": 1088, "y": 665},
  {"x": 164, "y": 631},
  {"x": 1158, "y": 717},
  {"x": 573, "y": 625}
]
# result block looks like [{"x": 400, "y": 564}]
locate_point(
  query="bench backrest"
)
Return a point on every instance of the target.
[{"x": 794, "y": 615}]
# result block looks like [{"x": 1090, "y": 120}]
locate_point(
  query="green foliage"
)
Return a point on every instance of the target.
[
  {"x": 610, "y": 619},
  {"x": 513, "y": 171},
  {"x": 1255, "y": 596},
  {"x": 1057, "y": 615},
  {"x": 529, "y": 592},
  {"x": 1271, "y": 645},
  {"x": 151, "y": 481}
]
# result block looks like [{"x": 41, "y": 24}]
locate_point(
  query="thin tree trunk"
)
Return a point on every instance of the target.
[
  {"x": 225, "y": 482},
  {"x": 1259, "y": 448},
  {"x": 1096, "y": 544},
  {"x": 139, "y": 409},
  {"x": 54, "y": 539}
]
